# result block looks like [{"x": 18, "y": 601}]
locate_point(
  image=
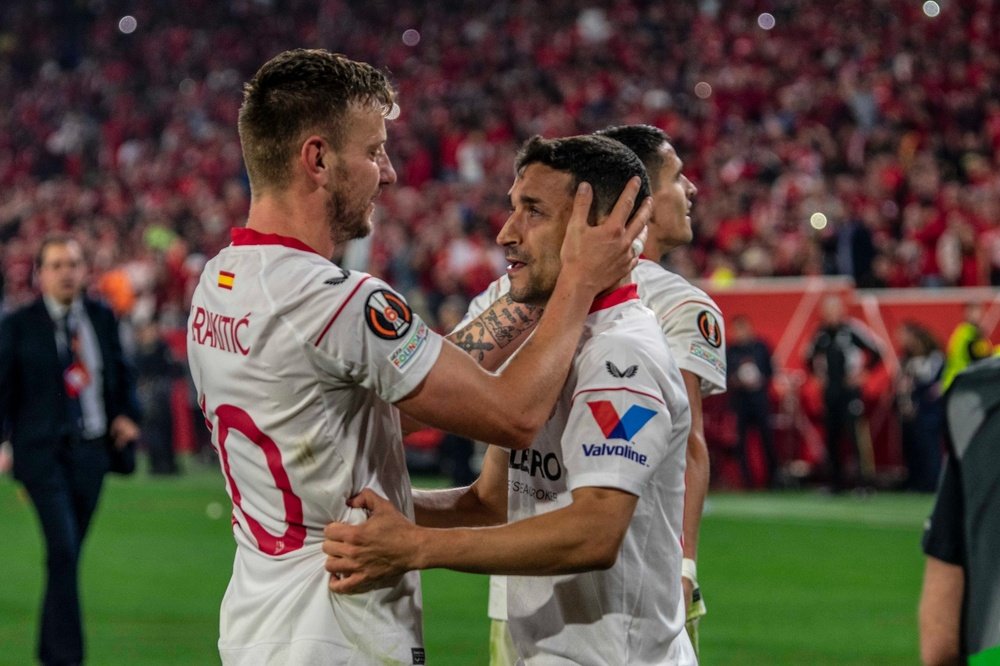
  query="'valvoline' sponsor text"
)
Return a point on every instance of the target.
[{"x": 623, "y": 450}]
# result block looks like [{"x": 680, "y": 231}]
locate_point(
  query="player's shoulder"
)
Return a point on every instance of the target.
[
  {"x": 362, "y": 304},
  {"x": 661, "y": 289},
  {"x": 628, "y": 351},
  {"x": 632, "y": 328}
]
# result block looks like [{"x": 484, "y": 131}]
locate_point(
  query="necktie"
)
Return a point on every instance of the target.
[
  {"x": 71, "y": 369},
  {"x": 66, "y": 343}
]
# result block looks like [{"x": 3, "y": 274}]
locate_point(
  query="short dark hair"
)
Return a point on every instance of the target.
[
  {"x": 297, "y": 91},
  {"x": 606, "y": 164},
  {"x": 54, "y": 239},
  {"x": 643, "y": 140}
]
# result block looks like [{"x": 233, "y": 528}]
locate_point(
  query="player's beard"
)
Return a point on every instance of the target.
[
  {"x": 531, "y": 288},
  {"x": 347, "y": 218}
]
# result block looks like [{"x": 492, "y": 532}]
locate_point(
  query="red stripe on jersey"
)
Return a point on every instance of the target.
[
  {"x": 624, "y": 293},
  {"x": 657, "y": 398},
  {"x": 340, "y": 309},
  {"x": 244, "y": 236},
  {"x": 702, "y": 301}
]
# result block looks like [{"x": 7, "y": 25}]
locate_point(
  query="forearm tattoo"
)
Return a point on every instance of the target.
[
  {"x": 507, "y": 320},
  {"x": 504, "y": 322},
  {"x": 470, "y": 339}
]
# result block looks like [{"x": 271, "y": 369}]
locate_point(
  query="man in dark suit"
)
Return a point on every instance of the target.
[{"x": 65, "y": 397}]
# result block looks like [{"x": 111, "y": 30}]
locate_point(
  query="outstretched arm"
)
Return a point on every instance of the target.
[
  {"x": 482, "y": 503},
  {"x": 458, "y": 396},
  {"x": 497, "y": 332},
  {"x": 583, "y": 536},
  {"x": 490, "y": 338}
]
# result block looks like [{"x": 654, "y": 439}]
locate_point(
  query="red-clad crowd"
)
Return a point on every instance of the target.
[{"x": 856, "y": 138}]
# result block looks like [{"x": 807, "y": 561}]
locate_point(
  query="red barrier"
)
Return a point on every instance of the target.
[{"x": 785, "y": 312}]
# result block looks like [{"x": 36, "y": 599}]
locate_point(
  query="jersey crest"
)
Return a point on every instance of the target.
[
  {"x": 387, "y": 315},
  {"x": 709, "y": 328}
]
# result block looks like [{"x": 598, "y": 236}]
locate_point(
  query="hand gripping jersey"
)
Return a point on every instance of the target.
[
  {"x": 690, "y": 320},
  {"x": 297, "y": 363}
]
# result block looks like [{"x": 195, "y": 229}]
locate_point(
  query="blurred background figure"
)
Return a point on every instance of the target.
[
  {"x": 967, "y": 344},
  {"x": 919, "y": 405},
  {"x": 66, "y": 398},
  {"x": 156, "y": 370},
  {"x": 838, "y": 355},
  {"x": 749, "y": 378}
]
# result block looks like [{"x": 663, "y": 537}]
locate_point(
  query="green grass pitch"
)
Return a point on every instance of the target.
[{"x": 788, "y": 579}]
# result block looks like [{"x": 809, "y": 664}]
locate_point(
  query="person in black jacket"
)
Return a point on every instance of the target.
[
  {"x": 748, "y": 361},
  {"x": 156, "y": 370},
  {"x": 66, "y": 396},
  {"x": 840, "y": 350},
  {"x": 919, "y": 405}
]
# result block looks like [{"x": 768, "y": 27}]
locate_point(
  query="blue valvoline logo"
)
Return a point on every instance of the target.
[{"x": 619, "y": 427}]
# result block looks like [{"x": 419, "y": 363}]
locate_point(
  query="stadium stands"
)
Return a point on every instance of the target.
[{"x": 859, "y": 139}]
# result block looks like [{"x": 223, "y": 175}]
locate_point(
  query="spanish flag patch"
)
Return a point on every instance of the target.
[{"x": 226, "y": 279}]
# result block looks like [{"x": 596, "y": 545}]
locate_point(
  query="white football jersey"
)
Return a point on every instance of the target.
[
  {"x": 690, "y": 320},
  {"x": 297, "y": 363},
  {"x": 695, "y": 333},
  {"x": 622, "y": 422}
]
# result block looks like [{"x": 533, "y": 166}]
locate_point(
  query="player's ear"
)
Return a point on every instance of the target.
[{"x": 315, "y": 156}]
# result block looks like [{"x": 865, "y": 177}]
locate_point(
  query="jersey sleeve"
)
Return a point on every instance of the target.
[
  {"x": 943, "y": 535},
  {"x": 696, "y": 335},
  {"x": 376, "y": 341},
  {"x": 618, "y": 422},
  {"x": 484, "y": 300}
]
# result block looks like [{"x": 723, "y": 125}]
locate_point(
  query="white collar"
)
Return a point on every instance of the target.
[{"x": 57, "y": 310}]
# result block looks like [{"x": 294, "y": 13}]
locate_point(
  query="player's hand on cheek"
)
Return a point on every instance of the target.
[
  {"x": 370, "y": 555},
  {"x": 599, "y": 256}
]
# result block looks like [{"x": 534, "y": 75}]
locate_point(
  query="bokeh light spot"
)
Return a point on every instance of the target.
[
  {"x": 411, "y": 37},
  {"x": 766, "y": 21},
  {"x": 817, "y": 221},
  {"x": 127, "y": 24}
]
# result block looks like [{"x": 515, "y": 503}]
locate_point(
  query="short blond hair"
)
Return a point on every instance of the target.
[{"x": 299, "y": 91}]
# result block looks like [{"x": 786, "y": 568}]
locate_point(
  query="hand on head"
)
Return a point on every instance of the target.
[{"x": 601, "y": 256}]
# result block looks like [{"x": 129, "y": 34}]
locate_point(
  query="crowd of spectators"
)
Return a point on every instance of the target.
[{"x": 870, "y": 116}]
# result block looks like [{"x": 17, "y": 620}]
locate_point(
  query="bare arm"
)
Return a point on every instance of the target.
[
  {"x": 458, "y": 396},
  {"x": 941, "y": 612},
  {"x": 696, "y": 476},
  {"x": 497, "y": 332},
  {"x": 583, "y": 536},
  {"x": 490, "y": 339},
  {"x": 482, "y": 503}
]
